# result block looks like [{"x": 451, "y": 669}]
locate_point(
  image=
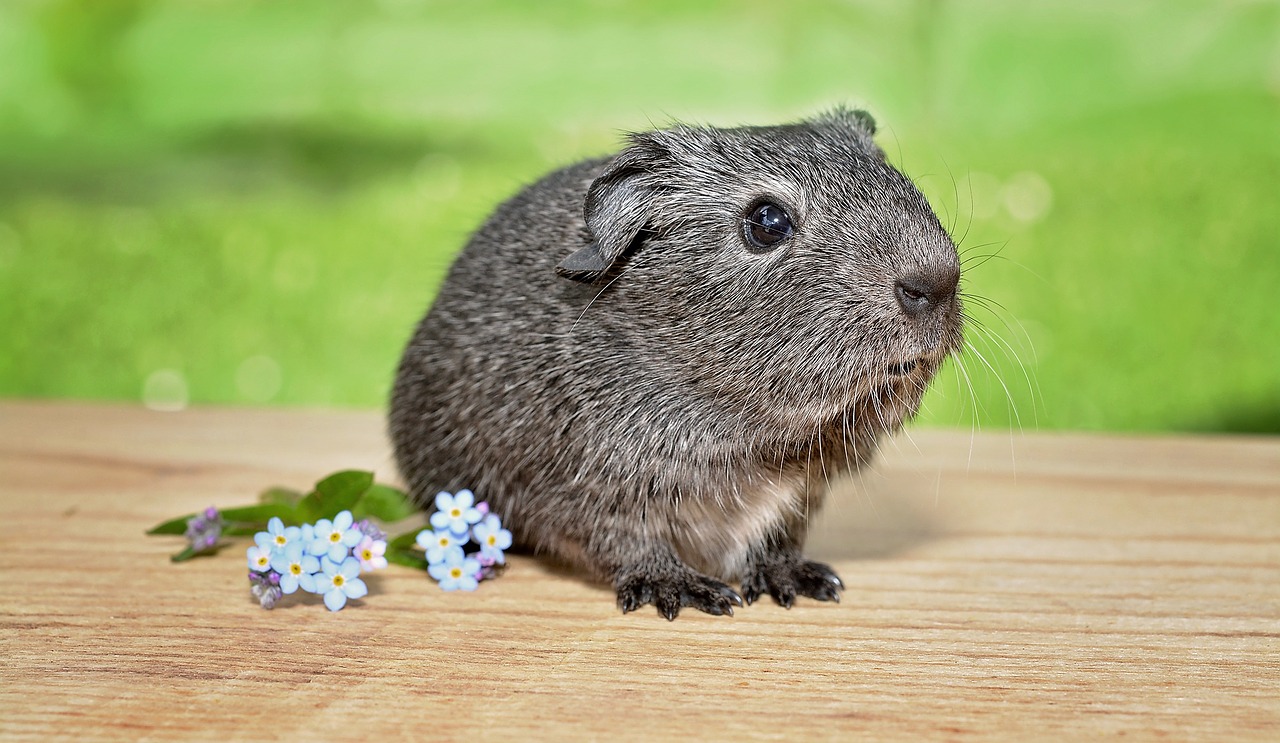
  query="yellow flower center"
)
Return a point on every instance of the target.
[
  {"x": 263, "y": 560},
  {"x": 444, "y": 541},
  {"x": 280, "y": 540},
  {"x": 456, "y": 572},
  {"x": 492, "y": 540},
  {"x": 296, "y": 569},
  {"x": 456, "y": 513},
  {"x": 335, "y": 537},
  {"x": 366, "y": 555},
  {"x": 338, "y": 580}
]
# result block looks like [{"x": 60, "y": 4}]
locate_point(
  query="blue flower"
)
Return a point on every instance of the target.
[
  {"x": 455, "y": 512},
  {"x": 334, "y": 539},
  {"x": 456, "y": 572},
  {"x": 280, "y": 537},
  {"x": 259, "y": 558},
  {"x": 295, "y": 568},
  {"x": 492, "y": 538},
  {"x": 440, "y": 544},
  {"x": 338, "y": 582}
]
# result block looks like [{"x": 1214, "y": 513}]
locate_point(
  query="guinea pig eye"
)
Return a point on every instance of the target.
[{"x": 767, "y": 225}]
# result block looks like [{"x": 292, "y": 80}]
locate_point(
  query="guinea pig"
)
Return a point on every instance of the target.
[{"x": 652, "y": 365}]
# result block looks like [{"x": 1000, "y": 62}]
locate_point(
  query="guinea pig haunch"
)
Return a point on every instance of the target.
[{"x": 651, "y": 365}]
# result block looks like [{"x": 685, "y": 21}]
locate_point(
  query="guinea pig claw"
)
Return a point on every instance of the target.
[{"x": 671, "y": 592}]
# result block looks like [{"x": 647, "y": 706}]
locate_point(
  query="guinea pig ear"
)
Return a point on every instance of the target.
[
  {"x": 618, "y": 205},
  {"x": 853, "y": 118},
  {"x": 857, "y": 121}
]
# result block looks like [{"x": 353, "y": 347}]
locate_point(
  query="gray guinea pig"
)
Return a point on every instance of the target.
[{"x": 652, "y": 365}]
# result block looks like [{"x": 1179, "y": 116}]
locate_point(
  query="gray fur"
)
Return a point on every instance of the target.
[{"x": 638, "y": 393}]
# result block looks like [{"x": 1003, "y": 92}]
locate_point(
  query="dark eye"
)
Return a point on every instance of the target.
[{"x": 766, "y": 226}]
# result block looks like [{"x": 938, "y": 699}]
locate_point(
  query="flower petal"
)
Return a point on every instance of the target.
[
  {"x": 275, "y": 526},
  {"x": 342, "y": 521},
  {"x": 355, "y": 588},
  {"x": 349, "y": 568},
  {"x": 288, "y": 582},
  {"x": 335, "y": 599},
  {"x": 444, "y": 501}
]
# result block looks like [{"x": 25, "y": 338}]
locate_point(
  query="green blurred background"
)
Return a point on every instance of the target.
[{"x": 225, "y": 201}]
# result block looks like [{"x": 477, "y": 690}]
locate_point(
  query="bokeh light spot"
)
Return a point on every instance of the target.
[
  {"x": 1027, "y": 196},
  {"x": 259, "y": 378},
  {"x": 165, "y": 390}
]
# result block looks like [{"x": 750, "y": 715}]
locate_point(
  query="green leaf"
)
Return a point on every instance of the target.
[
  {"x": 242, "y": 530},
  {"x": 184, "y": 555},
  {"x": 256, "y": 516},
  {"x": 407, "y": 559},
  {"x": 261, "y": 514},
  {"x": 279, "y": 495},
  {"x": 404, "y": 541},
  {"x": 400, "y": 550},
  {"x": 337, "y": 492},
  {"x": 173, "y": 526},
  {"x": 385, "y": 503}
]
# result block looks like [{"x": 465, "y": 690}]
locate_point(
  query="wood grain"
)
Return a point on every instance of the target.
[{"x": 1037, "y": 586}]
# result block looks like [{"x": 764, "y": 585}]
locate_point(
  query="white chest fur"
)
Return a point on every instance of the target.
[{"x": 714, "y": 535}]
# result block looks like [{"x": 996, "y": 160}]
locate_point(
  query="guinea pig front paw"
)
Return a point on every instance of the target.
[
  {"x": 671, "y": 592},
  {"x": 786, "y": 580}
]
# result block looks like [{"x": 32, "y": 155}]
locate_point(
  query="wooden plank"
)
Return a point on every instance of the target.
[{"x": 1035, "y": 586}]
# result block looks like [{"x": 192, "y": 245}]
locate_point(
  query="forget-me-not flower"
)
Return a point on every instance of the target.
[
  {"x": 265, "y": 587},
  {"x": 440, "y": 544},
  {"x": 492, "y": 538},
  {"x": 295, "y": 568},
  {"x": 456, "y": 573},
  {"x": 280, "y": 536},
  {"x": 334, "y": 539},
  {"x": 338, "y": 582},
  {"x": 371, "y": 530},
  {"x": 370, "y": 552},
  {"x": 455, "y": 512},
  {"x": 259, "y": 557},
  {"x": 203, "y": 530}
]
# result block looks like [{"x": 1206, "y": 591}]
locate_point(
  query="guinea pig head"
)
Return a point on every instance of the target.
[{"x": 789, "y": 276}]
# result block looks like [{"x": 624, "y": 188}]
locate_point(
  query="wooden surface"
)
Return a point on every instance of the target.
[{"x": 1038, "y": 586}]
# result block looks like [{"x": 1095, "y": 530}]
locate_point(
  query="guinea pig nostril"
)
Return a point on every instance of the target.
[{"x": 920, "y": 294}]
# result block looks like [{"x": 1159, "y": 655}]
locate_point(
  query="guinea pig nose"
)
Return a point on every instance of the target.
[{"x": 922, "y": 293}]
